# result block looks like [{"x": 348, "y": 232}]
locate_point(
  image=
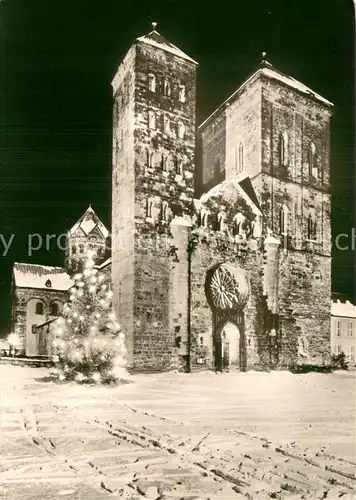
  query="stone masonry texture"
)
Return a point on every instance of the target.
[{"x": 163, "y": 245}]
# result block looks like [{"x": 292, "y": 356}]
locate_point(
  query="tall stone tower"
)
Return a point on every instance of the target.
[
  {"x": 273, "y": 135},
  {"x": 294, "y": 188},
  {"x": 152, "y": 181}
]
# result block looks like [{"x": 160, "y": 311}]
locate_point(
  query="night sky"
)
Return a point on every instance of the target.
[{"x": 57, "y": 60}]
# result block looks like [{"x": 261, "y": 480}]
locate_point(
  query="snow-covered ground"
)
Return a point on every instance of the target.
[{"x": 178, "y": 436}]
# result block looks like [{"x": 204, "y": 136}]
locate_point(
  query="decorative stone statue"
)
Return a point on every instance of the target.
[
  {"x": 204, "y": 217},
  {"x": 239, "y": 231},
  {"x": 221, "y": 220},
  {"x": 256, "y": 228}
]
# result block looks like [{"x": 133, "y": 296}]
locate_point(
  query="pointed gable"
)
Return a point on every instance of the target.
[
  {"x": 267, "y": 70},
  {"x": 231, "y": 190},
  {"x": 156, "y": 40},
  {"x": 88, "y": 223}
]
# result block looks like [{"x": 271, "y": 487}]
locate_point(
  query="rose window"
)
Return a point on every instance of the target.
[{"x": 226, "y": 287}]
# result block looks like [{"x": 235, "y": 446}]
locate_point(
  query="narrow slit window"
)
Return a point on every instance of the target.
[
  {"x": 181, "y": 130},
  {"x": 152, "y": 82},
  {"x": 149, "y": 206},
  {"x": 151, "y": 120},
  {"x": 166, "y": 87},
  {"x": 164, "y": 211},
  {"x": 164, "y": 162},
  {"x": 312, "y": 228},
  {"x": 283, "y": 149},
  {"x": 283, "y": 220},
  {"x": 181, "y": 93},
  {"x": 240, "y": 158}
]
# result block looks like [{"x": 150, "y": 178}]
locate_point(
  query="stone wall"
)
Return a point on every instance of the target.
[
  {"x": 243, "y": 119},
  {"x": 212, "y": 161},
  {"x": 214, "y": 248},
  {"x": 153, "y": 342},
  {"x": 123, "y": 195},
  {"x": 153, "y": 180},
  {"x": 304, "y": 298},
  {"x": 305, "y": 120}
]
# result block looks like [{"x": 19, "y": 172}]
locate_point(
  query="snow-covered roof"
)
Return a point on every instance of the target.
[
  {"x": 156, "y": 40},
  {"x": 47, "y": 322},
  {"x": 343, "y": 309},
  {"x": 270, "y": 71},
  {"x": 88, "y": 222},
  {"x": 230, "y": 190},
  {"x": 36, "y": 276},
  {"x": 107, "y": 262},
  {"x": 273, "y": 73}
]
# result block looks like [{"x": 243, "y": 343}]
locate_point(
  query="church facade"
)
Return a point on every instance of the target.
[
  {"x": 221, "y": 244},
  {"x": 221, "y": 240}
]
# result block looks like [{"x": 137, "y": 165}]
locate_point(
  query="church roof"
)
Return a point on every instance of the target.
[
  {"x": 43, "y": 277},
  {"x": 271, "y": 72},
  {"x": 88, "y": 222},
  {"x": 233, "y": 188},
  {"x": 104, "y": 264},
  {"x": 343, "y": 309},
  {"x": 267, "y": 70},
  {"x": 156, "y": 40}
]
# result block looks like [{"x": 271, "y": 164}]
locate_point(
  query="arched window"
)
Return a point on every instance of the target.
[
  {"x": 149, "y": 157},
  {"x": 312, "y": 228},
  {"x": 149, "y": 206},
  {"x": 283, "y": 149},
  {"x": 181, "y": 130},
  {"x": 178, "y": 166},
  {"x": 166, "y": 87},
  {"x": 181, "y": 93},
  {"x": 164, "y": 211},
  {"x": 164, "y": 162},
  {"x": 54, "y": 309},
  {"x": 240, "y": 158},
  {"x": 283, "y": 220},
  {"x": 48, "y": 284},
  {"x": 312, "y": 165},
  {"x": 74, "y": 249},
  {"x": 81, "y": 248},
  {"x": 39, "y": 308},
  {"x": 166, "y": 125},
  {"x": 152, "y": 82},
  {"x": 151, "y": 119}
]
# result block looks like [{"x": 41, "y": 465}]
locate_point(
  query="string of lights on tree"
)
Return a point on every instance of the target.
[{"x": 87, "y": 339}]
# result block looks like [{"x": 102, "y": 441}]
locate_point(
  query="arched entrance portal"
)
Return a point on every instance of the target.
[
  {"x": 227, "y": 292},
  {"x": 230, "y": 342}
]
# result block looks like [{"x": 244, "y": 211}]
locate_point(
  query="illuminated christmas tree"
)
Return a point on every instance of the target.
[{"x": 88, "y": 341}]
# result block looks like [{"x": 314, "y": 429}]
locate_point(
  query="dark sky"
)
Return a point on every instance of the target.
[{"x": 57, "y": 60}]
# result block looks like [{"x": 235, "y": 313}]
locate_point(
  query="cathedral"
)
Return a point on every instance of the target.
[{"x": 220, "y": 238}]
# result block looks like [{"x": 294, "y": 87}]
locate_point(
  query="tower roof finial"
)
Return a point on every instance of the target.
[
  {"x": 154, "y": 26},
  {"x": 264, "y": 57}
]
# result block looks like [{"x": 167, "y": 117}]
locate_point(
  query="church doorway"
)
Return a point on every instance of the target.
[
  {"x": 230, "y": 340},
  {"x": 227, "y": 292},
  {"x": 229, "y": 349}
]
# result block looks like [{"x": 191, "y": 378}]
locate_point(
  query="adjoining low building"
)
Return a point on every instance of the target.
[
  {"x": 343, "y": 328},
  {"x": 39, "y": 292}
]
